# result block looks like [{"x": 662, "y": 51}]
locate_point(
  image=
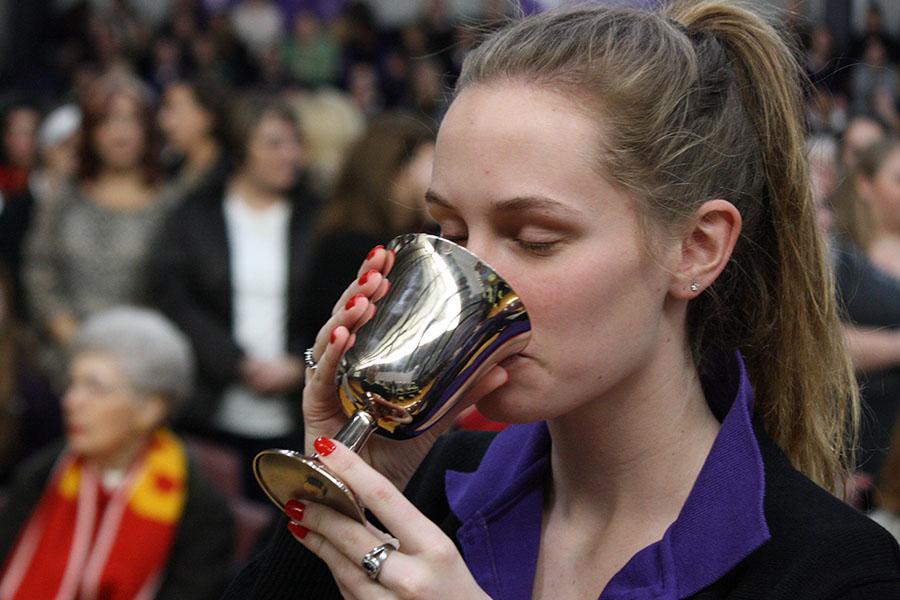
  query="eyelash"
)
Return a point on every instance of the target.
[{"x": 537, "y": 248}]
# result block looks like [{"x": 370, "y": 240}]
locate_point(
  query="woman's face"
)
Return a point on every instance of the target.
[
  {"x": 516, "y": 181},
  {"x": 183, "y": 121},
  {"x": 885, "y": 192},
  {"x": 104, "y": 415},
  {"x": 120, "y": 138},
  {"x": 273, "y": 154},
  {"x": 20, "y": 136}
]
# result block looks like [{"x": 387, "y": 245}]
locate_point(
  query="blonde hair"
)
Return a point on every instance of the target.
[
  {"x": 702, "y": 100},
  {"x": 855, "y": 218}
]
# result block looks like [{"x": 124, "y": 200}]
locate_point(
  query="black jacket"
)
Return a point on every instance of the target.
[
  {"x": 190, "y": 281},
  {"x": 202, "y": 552},
  {"x": 820, "y": 549}
]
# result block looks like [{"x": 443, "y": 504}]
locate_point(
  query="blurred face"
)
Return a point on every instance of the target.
[
  {"x": 119, "y": 139},
  {"x": 19, "y": 137},
  {"x": 860, "y": 134},
  {"x": 516, "y": 182},
  {"x": 105, "y": 417},
  {"x": 884, "y": 193},
  {"x": 62, "y": 159},
  {"x": 183, "y": 121},
  {"x": 273, "y": 154}
]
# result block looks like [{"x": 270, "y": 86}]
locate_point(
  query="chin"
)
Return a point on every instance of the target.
[{"x": 508, "y": 404}]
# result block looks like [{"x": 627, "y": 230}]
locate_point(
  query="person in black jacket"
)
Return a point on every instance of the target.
[
  {"x": 228, "y": 270},
  {"x": 681, "y": 410}
]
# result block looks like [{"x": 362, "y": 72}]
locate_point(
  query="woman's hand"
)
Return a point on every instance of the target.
[
  {"x": 426, "y": 565},
  {"x": 322, "y": 414}
]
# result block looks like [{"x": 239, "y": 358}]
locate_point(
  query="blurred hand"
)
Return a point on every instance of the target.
[{"x": 272, "y": 376}]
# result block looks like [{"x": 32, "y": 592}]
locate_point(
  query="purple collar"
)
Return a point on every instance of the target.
[{"x": 721, "y": 523}]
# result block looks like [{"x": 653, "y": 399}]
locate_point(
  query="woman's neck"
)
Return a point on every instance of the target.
[
  {"x": 621, "y": 470},
  {"x": 256, "y": 196},
  {"x": 120, "y": 189},
  {"x": 202, "y": 156},
  {"x": 122, "y": 458},
  {"x": 635, "y": 453}
]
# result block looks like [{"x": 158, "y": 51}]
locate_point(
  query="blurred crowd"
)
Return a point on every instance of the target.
[{"x": 226, "y": 166}]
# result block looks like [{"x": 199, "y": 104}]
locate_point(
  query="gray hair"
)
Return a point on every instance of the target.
[{"x": 154, "y": 354}]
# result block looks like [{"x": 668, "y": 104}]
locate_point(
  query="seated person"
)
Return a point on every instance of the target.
[{"x": 118, "y": 510}]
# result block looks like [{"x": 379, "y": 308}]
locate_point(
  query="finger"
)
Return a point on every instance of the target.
[
  {"x": 349, "y": 575},
  {"x": 355, "y": 540},
  {"x": 376, "y": 260},
  {"x": 365, "y": 318},
  {"x": 326, "y": 366},
  {"x": 347, "y": 317},
  {"x": 366, "y": 284},
  {"x": 382, "y": 290},
  {"x": 416, "y": 532}
]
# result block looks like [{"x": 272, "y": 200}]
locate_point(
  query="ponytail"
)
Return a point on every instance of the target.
[{"x": 794, "y": 348}]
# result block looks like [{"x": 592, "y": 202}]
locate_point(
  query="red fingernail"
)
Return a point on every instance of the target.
[
  {"x": 333, "y": 335},
  {"x": 352, "y": 302},
  {"x": 294, "y": 510},
  {"x": 365, "y": 276},
  {"x": 297, "y": 529},
  {"x": 324, "y": 446},
  {"x": 373, "y": 251}
]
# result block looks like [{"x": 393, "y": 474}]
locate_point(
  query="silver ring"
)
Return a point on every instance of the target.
[
  {"x": 374, "y": 560},
  {"x": 308, "y": 359}
]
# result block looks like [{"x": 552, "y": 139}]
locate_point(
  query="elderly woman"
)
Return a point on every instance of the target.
[{"x": 119, "y": 511}]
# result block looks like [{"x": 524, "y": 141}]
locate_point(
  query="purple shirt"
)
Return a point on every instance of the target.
[{"x": 720, "y": 524}]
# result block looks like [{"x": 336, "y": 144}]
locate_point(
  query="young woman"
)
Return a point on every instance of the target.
[
  {"x": 89, "y": 250},
  {"x": 193, "y": 118},
  {"x": 638, "y": 177},
  {"x": 228, "y": 269},
  {"x": 867, "y": 265}
]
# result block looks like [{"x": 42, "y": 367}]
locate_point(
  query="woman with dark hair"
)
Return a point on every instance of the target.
[
  {"x": 194, "y": 119},
  {"x": 379, "y": 194},
  {"x": 229, "y": 269},
  {"x": 682, "y": 409},
  {"x": 88, "y": 250}
]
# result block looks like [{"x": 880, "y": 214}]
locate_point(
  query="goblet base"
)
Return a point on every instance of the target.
[{"x": 284, "y": 474}]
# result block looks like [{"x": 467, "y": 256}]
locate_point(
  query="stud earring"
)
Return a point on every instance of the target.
[{"x": 695, "y": 286}]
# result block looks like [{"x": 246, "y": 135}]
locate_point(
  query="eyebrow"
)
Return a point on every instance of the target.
[{"x": 519, "y": 203}]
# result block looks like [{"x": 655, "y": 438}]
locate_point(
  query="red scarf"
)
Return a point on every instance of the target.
[{"x": 67, "y": 550}]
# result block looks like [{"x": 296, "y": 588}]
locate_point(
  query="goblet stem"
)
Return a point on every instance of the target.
[{"x": 356, "y": 432}]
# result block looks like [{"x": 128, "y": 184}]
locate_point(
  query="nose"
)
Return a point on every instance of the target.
[
  {"x": 480, "y": 246},
  {"x": 71, "y": 398}
]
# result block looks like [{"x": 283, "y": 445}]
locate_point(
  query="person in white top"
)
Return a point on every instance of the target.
[{"x": 229, "y": 269}]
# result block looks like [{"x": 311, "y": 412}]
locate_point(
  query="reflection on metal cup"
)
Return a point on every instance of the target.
[{"x": 446, "y": 320}]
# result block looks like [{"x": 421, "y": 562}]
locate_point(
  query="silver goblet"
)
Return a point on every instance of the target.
[{"x": 447, "y": 319}]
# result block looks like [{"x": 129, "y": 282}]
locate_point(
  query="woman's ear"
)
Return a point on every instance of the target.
[
  {"x": 706, "y": 247},
  {"x": 153, "y": 412}
]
